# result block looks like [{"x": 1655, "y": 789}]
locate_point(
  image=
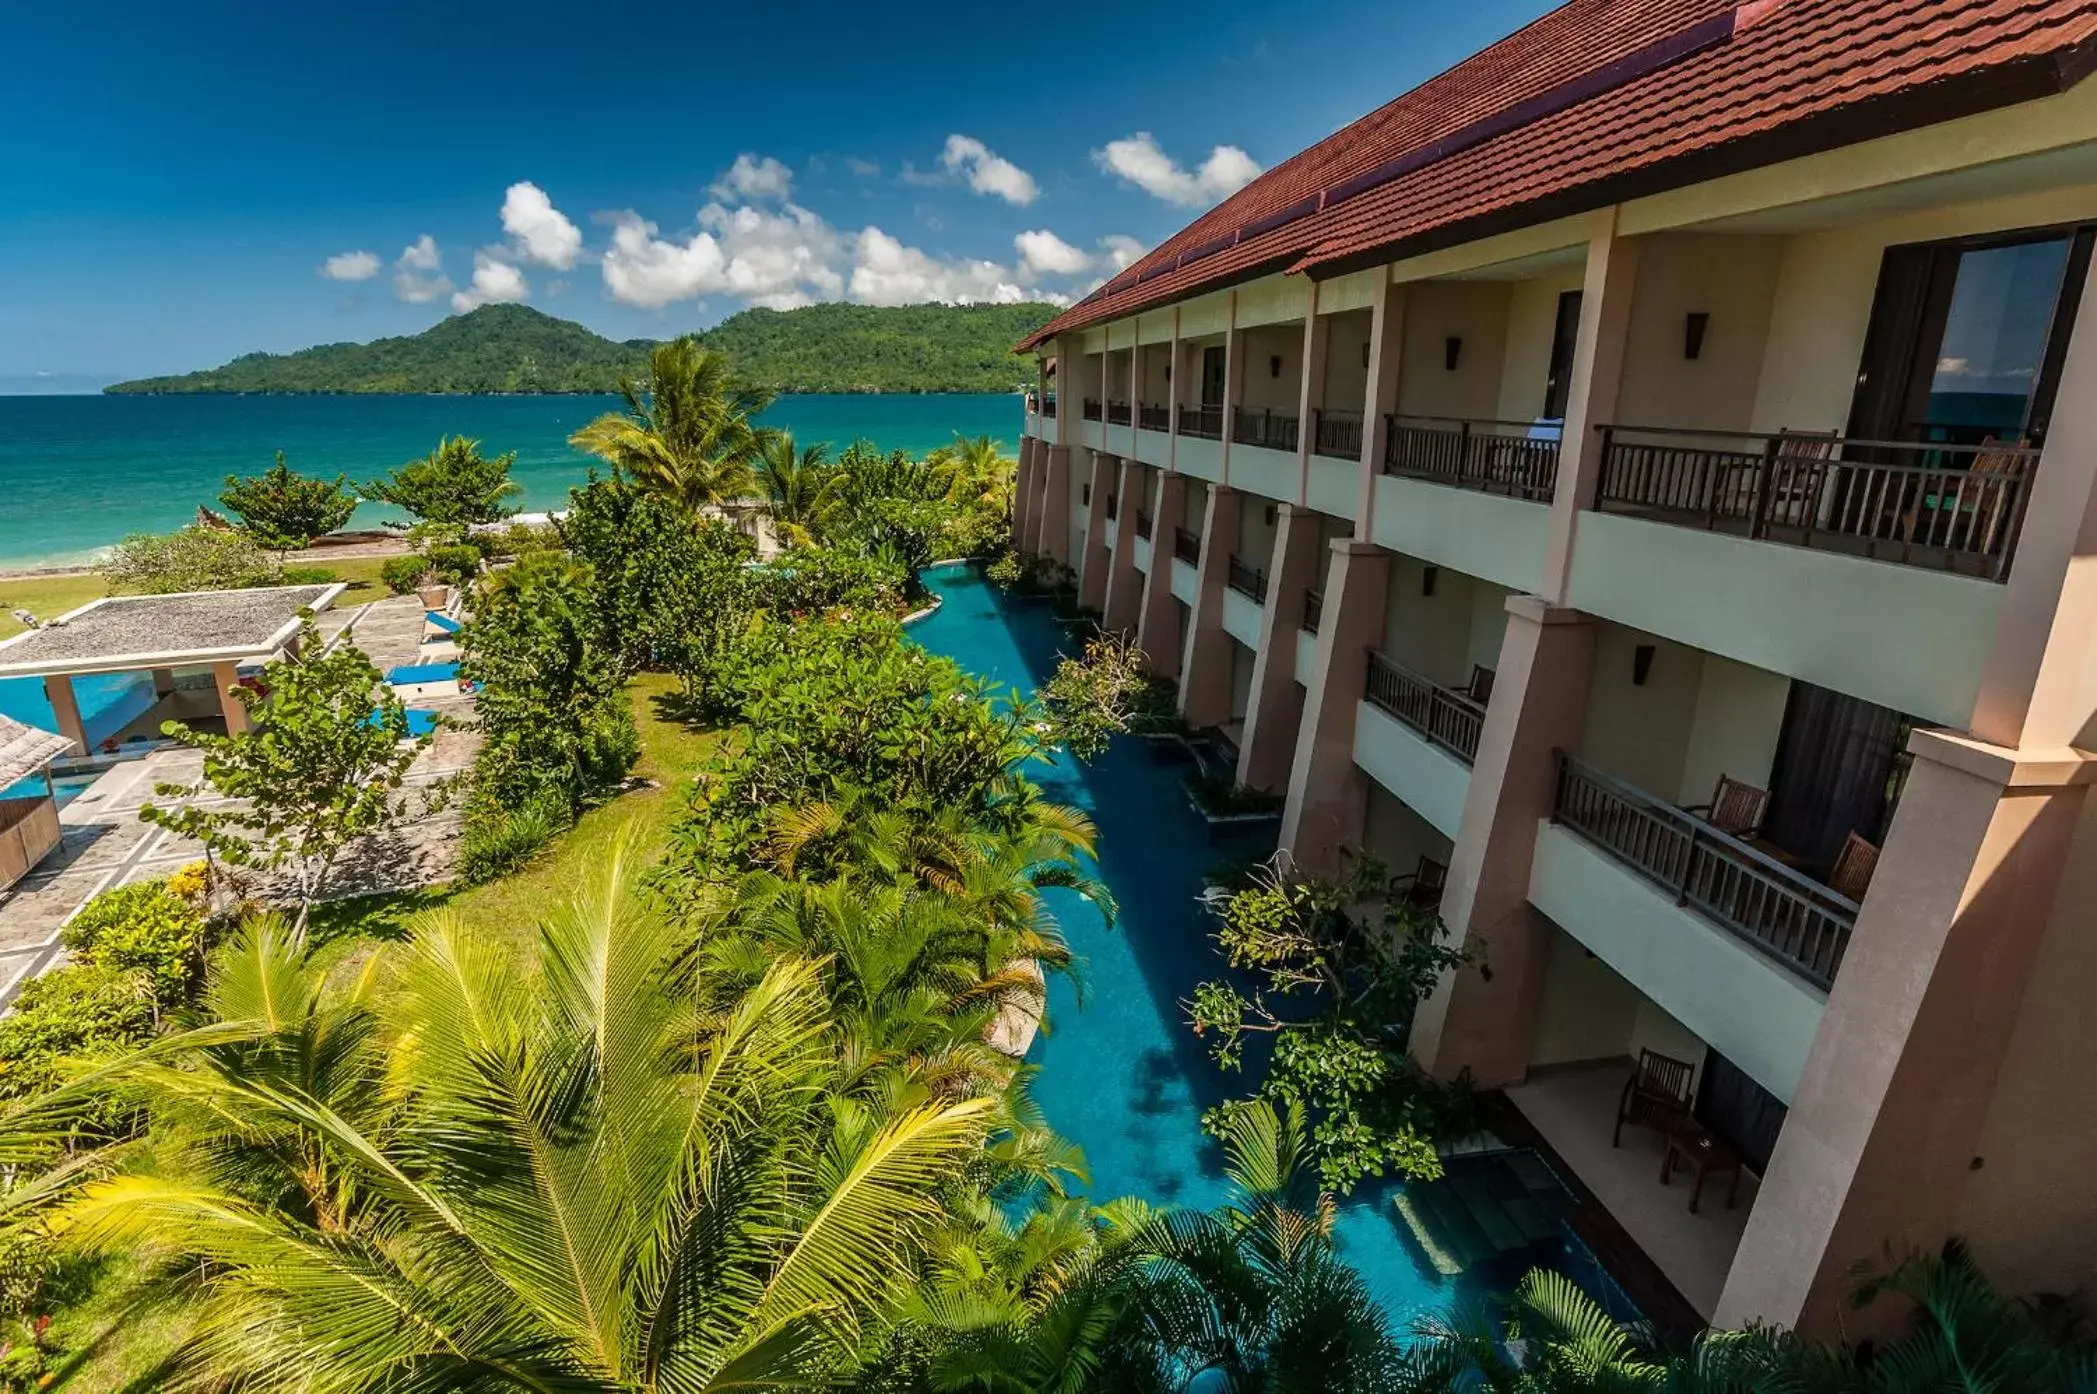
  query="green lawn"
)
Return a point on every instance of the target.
[{"x": 48, "y": 597}]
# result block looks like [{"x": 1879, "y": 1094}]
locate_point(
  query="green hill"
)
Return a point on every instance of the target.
[{"x": 513, "y": 348}]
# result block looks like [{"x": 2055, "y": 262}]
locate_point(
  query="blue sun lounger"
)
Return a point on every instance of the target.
[
  {"x": 409, "y": 674},
  {"x": 442, "y": 621}
]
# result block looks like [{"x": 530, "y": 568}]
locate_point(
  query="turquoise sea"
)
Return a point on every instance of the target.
[{"x": 77, "y": 473}]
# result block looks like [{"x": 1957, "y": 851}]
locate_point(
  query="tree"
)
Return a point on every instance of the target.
[
  {"x": 453, "y": 484},
  {"x": 321, "y": 766},
  {"x": 688, "y": 432},
  {"x": 283, "y": 510},
  {"x": 799, "y": 488},
  {"x": 1336, "y": 991},
  {"x": 188, "y": 559},
  {"x": 557, "y": 1174}
]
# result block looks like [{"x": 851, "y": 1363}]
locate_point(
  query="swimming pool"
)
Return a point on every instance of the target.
[{"x": 108, "y": 701}]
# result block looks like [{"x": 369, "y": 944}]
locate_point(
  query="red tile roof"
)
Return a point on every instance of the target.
[{"x": 1602, "y": 100}]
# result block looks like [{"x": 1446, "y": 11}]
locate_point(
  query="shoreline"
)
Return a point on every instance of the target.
[{"x": 305, "y": 556}]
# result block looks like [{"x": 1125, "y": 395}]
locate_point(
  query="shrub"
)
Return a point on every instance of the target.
[
  {"x": 146, "y": 927},
  {"x": 402, "y": 574},
  {"x": 458, "y": 563},
  {"x": 309, "y": 576},
  {"x": 80, "y": 1010},
  {"x": 454, "y": 483},
  {"x": 188, "y": 559},
  {"x": 499, "y": 840},
  {"x": 284, "y": 510}
]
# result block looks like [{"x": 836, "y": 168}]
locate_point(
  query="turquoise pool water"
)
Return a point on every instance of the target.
[
  {"x": 1120, "y": 1074},
  {"x": 107, "y": 701}
]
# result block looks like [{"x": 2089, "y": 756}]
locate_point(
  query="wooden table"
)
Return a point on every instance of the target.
[{"x": 1700, "y": 1154}]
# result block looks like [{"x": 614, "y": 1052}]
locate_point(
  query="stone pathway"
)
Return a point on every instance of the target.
[{"x": 105, "y": 844}]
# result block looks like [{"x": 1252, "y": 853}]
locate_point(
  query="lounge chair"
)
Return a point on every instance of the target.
[{"x": 1656, "y": 1096}]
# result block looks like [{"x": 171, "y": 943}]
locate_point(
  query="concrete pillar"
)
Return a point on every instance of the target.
[
  {"x": 1471, "y": 1021},
  {"x": 1157, "y": 627},
  {"x": 1205, "y": 683},
  {"x": 1311, "y": 394},
  {"x": 1233, "y": 381},
  {"x": 1598, "y": 371},
  {"x": 1386, "y": 354},
  {"x": 226, "y": 677},
  {"x": 1123, "y": 605},
  {"x": 58, "y": 691},
  {"x": 1276, "y": 711},
  {"x": 1327, "y": 796},
  {"x": 1099, "y": 532},
  {"x": 164, "y": 682},
  {"x": 1054, "y": 526},
  {"x": 1022, "y": 491}
]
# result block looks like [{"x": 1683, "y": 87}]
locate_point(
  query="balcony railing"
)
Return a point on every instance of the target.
[
  {"x": 1117, "y": 413},
  {"x": 1272, "y": 430},
  {"x": 1792, "y": 918},
  {"x": 1091, "y": 408},
  {"x": 1447, "y": 719},
  {"x": 1250, "y": 581},
  {"x": 1313, "y": 610},
  {"x": 1143, "y": 524},
  {"x": 1205, "y": 422},
  {"x": 1336, "y": 433},
  {"x": 1186, "y": 546},
  {"x": 1496, "y": 457},
  {"x": 1048, "y": 404},
  {"x": 1152, "y": 418},
  {"x": 1934, "y": 504}
]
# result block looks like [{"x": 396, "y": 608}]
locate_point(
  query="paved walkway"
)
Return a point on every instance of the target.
[{"x": 105, "y": 844}]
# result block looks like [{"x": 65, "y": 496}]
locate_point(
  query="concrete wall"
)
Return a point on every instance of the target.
[
  {"x": 1243, "y": 657},
  {"x": 1532, "y": 315},
  {"x": 1697, "y": 716},
  {"x": 1441, "y": 636},
  {"x": 1732, "y": 279},
  {"x": 1346, "y": 384},
  {"x": 1739, "y": 716},
  {"x": 1185, "y": 582},
  {"x": 1485, "y": 535},
  {"x": 1431, "y": 781},
  {"x": 1271, "y": 474},
  {"x": 1265, "y": 384},
  {"x": 1334, "y": 486},
  {"x": 1241, "y": 618},
  {"x": 1399, "y": 837},
  {"x": 1154, "y": 375},
  {"x": 1436, "y": 311},
  {"x": 1197, "y": 458}
]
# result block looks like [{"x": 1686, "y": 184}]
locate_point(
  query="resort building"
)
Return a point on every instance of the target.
[{"x": 1644, "y": 482}]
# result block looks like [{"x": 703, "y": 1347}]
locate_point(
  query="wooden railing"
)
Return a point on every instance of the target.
[
  {"x": 1091, "y": 408},
  {"x": 1250, "y": 581},
  {"x": 1186, "y": 546},
  {"x": 1143, "y": 524},
  {"x": 1048, "y": 404},
  {"x": 1447, "y": 719},
  {"x": 1792, "y": 918},
  {"x": 1118, "y": 413},
  {"x": 1152, "y": 418},
  {"x": 1271, "y": 430},
  {"x": 1955, "y": 507},
  {"x": 1205, "y": 422},
  {"x": 1313, "y": 610},
  {"x": 1496, "y": 457},
  {"x": 1336, "y": 433}
]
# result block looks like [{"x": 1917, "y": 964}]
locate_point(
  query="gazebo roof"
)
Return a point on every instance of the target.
[
  {"x": 129, "y": 632},
  {"x": 25, "y": 749}
]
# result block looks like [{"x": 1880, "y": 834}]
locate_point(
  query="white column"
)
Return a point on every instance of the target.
[{"x": 1598, "y": 372}]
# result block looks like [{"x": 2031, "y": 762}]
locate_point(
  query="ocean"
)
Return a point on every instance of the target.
[{"x": 78, "y": 473}]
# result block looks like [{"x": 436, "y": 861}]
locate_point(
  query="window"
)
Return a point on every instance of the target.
[{"x": 1565, "y": 340}]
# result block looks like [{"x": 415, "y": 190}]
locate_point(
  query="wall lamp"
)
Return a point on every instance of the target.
[
  {"x": 1693, "y": 330},
  {"x": 1452, "y": 352},
  {"x": 1274, "y": 366}
]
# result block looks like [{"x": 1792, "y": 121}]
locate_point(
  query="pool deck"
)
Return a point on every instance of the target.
[{"x": 105, "y": 844}]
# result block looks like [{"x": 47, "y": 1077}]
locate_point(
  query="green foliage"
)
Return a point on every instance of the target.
[
  {"x": 308, "y": 576},
  {"x": 689, "y": 431},
  {"x": 321, "y": 766},
  {"x": 453, "y": 484},
  {"x": 1090, "y": 697},
  {"x": 76, "y": 1011},
  {"x": 799, "y": 487},
  {"x": 514, "y": 348},
  {"x": 1336, "y": 991},
  {"x": 144, "y": 927},
  {"x": 187, "y": 559},
  {"x": 498, "y": 840},
  {"x": 283, "y": 510},
  {"x": 403, "y": 574},
  {"x": 819, "y": 581}
]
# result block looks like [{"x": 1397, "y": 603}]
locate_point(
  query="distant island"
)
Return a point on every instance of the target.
[{"x": 516, "y": 349}]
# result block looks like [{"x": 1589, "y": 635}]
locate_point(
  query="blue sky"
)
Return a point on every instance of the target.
[{"x": 174, "y": 180}]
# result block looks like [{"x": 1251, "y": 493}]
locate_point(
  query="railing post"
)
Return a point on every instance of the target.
[{"x": 1765, "y": 473}]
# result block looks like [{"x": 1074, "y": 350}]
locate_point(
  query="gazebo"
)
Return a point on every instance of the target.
[
  {"x": 202, "y": 632},
  {"x": 28, "y": 812}
]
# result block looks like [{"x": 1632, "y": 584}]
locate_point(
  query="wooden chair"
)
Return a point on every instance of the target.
[
  {"x": 1798, "y": 475},
  {"x": 1480, "y": 688},
  {"x": 1656, "y": 1096},
  {"x": 1851, "y": 876},
  {"x": 1977, "y": 515},
  {"x": 1423, "y": 886},
  {"x": 1736, "y": 809}
]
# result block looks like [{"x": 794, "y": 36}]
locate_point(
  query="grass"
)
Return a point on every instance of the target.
[{"x": 48, "y": 597}]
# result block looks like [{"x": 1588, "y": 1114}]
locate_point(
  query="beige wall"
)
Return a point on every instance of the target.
[
  {"x": 1258, "y": 521},
  {"x": 1264, "y": 386},
  {"x": 1242, "y": 661},
  {"x": 1732, "y": 279},
  {"x": 1346, "y": 385},
  {"x": 1532, "y": 315},
  {"x": 1153, "y": 375},
  {"x": 1435, "y": 312},
  {"x": 1697, "y": 716},
  {"x": 1186, "y": 376},
  {"x": 1739, "y": 715},
  {"x": 1399, "y": 837},
  {"x": 1441, "y": 636},
  {"x": 1588, "y": 1010}
]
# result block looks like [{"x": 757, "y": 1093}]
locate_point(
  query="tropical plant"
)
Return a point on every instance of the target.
[
  {"x": 688, "y": 432},
  {"x": 453, "y": 484},
  {"x": 589, "y": 1172},
  {"x": 1091, "y": 696},
  {"x": 145, "y": 928},
  {"x": 798, "y": 486},
  {"x": 284, "y": 510},
  {"x": 187, "y": 559}
]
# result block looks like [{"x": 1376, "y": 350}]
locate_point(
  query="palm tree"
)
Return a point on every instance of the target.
[
  {"x": 799, "y": 486},
  {"x": 591, "y": 1172},
  {"x": 688, "y": 433},
  {"x": 976, "y": 471}
]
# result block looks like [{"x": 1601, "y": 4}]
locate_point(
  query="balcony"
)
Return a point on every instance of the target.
[
  {"x": 1118, "y": 414},
  {"x": 1204, "y": 422},
  {"x": 1091, "y": 408},
  {"x": 1248, "y": 581},
  {"x": 1929, "y": 504},
  {"x": 1048, "y": 404},
  {"x": 1516, "y": 458},
  {"x": 1336, "y": 433},
  {"x": 1186, "y": 546},
  {"x": 1150, "y": 418},
  {"x": 1143, "y": 524},
  {"x": 1270, "y": 430},
  {"x": 1313, "y": 610},
  {"x": 1793, "y": 919},
  {"x": 1446, "y": 718}
]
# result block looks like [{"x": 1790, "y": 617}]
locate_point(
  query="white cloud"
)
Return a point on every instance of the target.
[
  {"x": 1139, "y": 160},
  {"x": 865, "y": 169},
  {"x": 754, "y": 176},
  {"x": 540, "y": 232},
  {"x": 642, "y": 269},
  {"x": 418, "y": 275},
  {"x": 1120, "y": 251},
  {"x": 988, "y": 172},
  {"x": 779, "y": 260},
  {"x": 885, "y": 272},
  {"x": 351, "y": 266},
  {"x": 1042, "y": 253},
  {"x": 495, "y": 281}
]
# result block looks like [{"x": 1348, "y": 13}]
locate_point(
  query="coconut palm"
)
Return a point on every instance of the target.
[
  {"x": 799, "y": 486},
  {"x": 975, "y": 470},
  {"x": 688, "y": 433},
  {"x": 589, "y": 1172}
]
